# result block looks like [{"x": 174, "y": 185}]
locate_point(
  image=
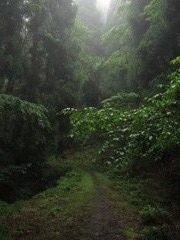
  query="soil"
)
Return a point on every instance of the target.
[{"x": 105, "y": 222}]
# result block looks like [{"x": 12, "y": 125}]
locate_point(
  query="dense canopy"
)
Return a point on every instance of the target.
[{"x": 100, "y": 79}]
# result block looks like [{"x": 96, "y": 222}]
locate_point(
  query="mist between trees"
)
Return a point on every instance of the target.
[{"x": 116, "y": 72}]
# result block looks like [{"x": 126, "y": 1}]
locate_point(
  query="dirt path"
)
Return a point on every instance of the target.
[
  {"x": 105, "y": 216},
  {"x": 105, "y": 224}
]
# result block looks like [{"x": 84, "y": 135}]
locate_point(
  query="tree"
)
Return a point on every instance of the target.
[
  {"x": 11, "y": 14},
  {"x": 146, "y": 36},
  {"x": 49, "y": 26}
]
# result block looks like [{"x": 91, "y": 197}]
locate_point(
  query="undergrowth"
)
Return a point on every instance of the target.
[
  {"x": 134, "y": 140},
  {"x": 61, "y": 205},
  {"x": 158, "y": 220}
]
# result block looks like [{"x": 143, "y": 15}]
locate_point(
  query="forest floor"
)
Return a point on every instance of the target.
[
  {"x": 86, "y": 205},
  {"x": 82, "y": 207},
  {"x": 112, "y": 216}
]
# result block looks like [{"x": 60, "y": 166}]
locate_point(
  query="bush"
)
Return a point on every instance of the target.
[
  {"x": 122, "y": 101},
  {"x": 24, "y": 134},
  {"x": 136, "y": 138},
  {"x": 154, "y": 215}
]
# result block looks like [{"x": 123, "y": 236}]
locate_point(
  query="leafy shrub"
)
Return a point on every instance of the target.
[
  {"x": 24, "y": 133},
  {"x": 136, "y": 138},
  {"x": 151, "y": 215},
  {"x": 122, "y": 101},
  {"x": 90, "y": 122}
]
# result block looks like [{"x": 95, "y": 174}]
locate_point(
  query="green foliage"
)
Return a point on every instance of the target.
[
  {"x": 64, "y": 204},
  {"x": 10, "y": 209},
  {"x": 7, "y": 210},
  {"x": 122, "y": 101},
  {"x": 154, "y": 210},
  {"x": 112, "y": 74},
  {"x": 11, "y": 43},
  {"x": 153, "y": 233},
  {"x": 50, "y": 56},
  {"x": 143, "y": 38},
  {"x": 91, "y": 122},
  {"x": 73, "y": 190},
  {"x": 4, "y": 233},
  {"x": 24, "y": 128},
  {"x": 152, "y": 215},
  {"x": 24, "y": 134},
  {"x": 135, "y": 138}
]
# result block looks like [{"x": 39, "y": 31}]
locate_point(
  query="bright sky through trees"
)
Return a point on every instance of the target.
[{"x": 103, "y": 4}]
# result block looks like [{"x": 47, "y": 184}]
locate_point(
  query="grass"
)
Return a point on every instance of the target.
[
  {"x": 130, "y": 222},
  {"x": 69, "y": 195},
  {"x": 156, "y": 216},
  {"x": 62, "y": 212},
  {"x": 82, "y": 159},
  {"x": 10, "y": 209},
  {"x": 4, "y": 232},
  {"x": 61, "y": 205},
  {"x": 7, "y": 210},
  {"x": 51, "y": 212}
]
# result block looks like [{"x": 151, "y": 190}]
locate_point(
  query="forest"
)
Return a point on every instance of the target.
[{"x": 90, "y": 123}]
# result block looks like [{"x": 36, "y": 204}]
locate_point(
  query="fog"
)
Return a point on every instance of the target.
[{"x": 103, "y": 6}]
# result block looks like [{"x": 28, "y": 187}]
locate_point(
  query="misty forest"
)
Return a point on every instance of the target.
[{"x": 89, "y": 119}]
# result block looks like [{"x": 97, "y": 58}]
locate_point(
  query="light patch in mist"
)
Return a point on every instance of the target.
[{"x": 103, "y": 5}]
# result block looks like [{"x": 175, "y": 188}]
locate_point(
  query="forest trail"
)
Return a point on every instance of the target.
[
  {"x": 105, "y": 222},
  {"x": 112, "y": 216},
  {"x": 92, "y": 211}
]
